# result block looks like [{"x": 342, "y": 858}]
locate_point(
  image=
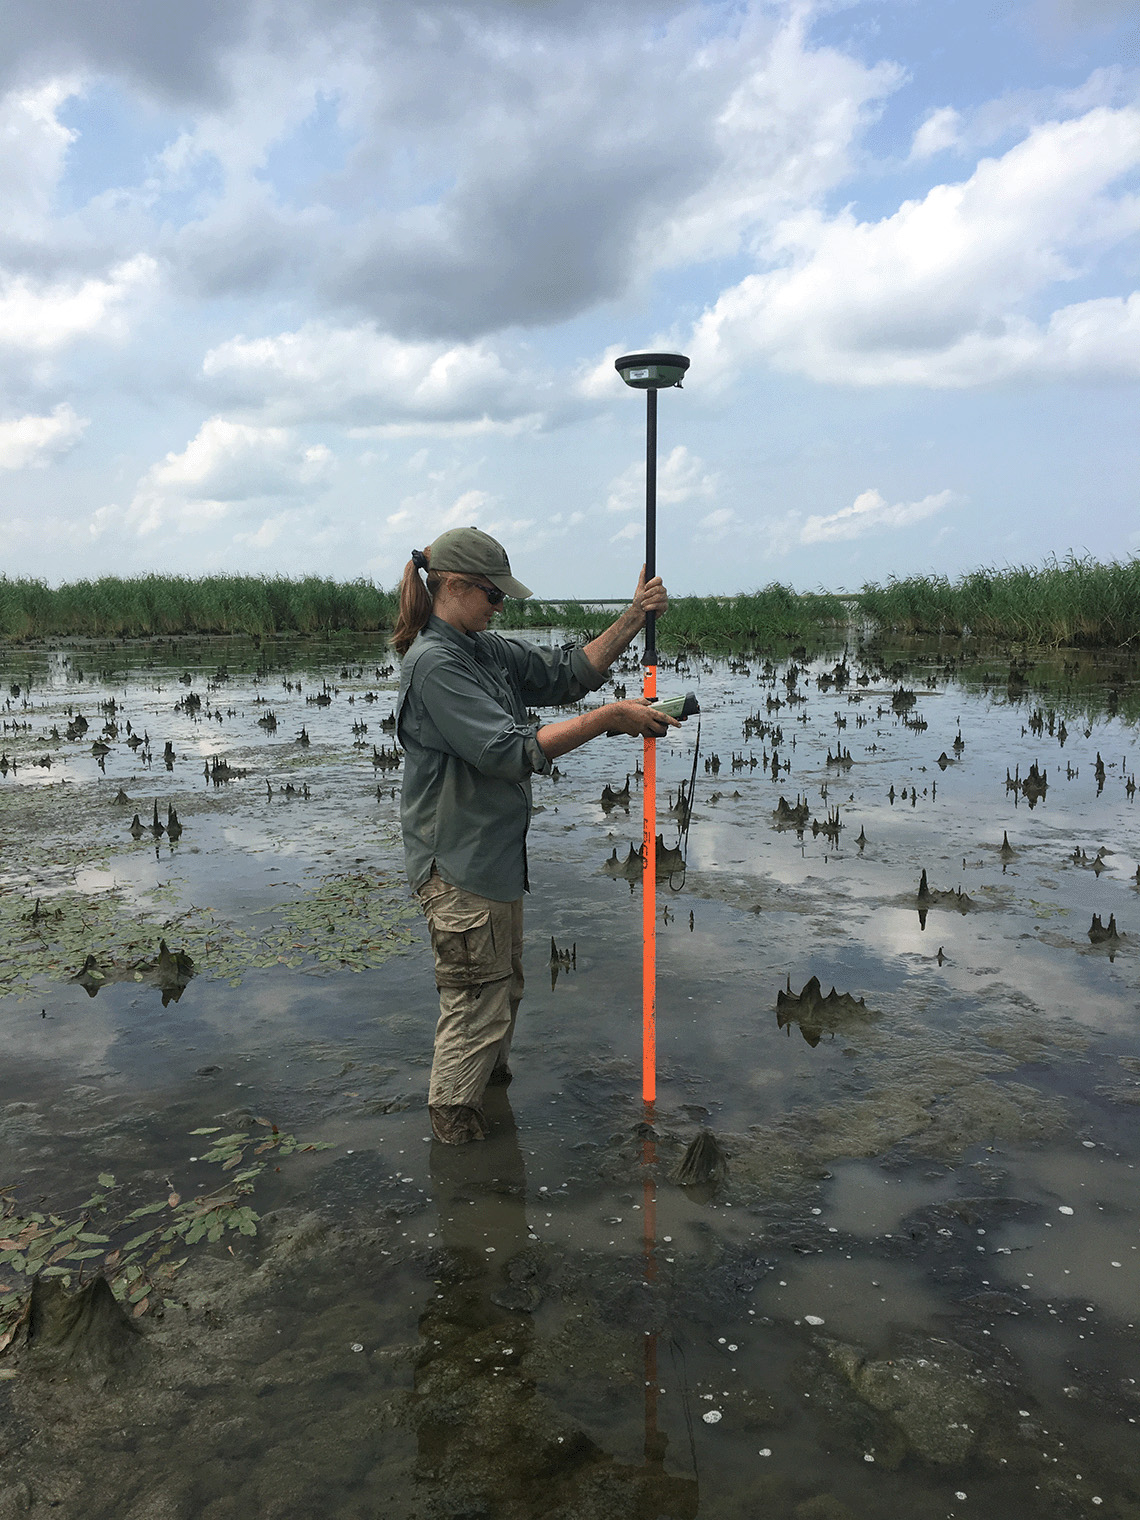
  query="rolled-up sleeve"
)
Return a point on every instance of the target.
[
  {"x": 474, "y": 726},
  {"x": 552, "y": 676}
]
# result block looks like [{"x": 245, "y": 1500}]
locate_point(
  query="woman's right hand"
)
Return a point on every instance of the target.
[{"x": 634, "y": 716}]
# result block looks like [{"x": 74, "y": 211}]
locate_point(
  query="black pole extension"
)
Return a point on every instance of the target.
[
  {"x": 651, "y": 373},
  {"x": 650, "y": 656}
]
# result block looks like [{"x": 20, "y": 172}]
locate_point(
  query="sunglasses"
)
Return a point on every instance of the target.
[{"x": 492, "y": 593}]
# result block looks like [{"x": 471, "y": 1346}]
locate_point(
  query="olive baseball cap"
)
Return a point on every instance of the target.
[{"x": 468, "y": 551}]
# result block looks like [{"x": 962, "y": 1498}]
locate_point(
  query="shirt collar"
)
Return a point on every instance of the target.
[{"x": 445, "y": 630}]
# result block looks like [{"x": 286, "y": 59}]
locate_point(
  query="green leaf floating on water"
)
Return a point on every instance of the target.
[{"x": 135, "y": 1263}]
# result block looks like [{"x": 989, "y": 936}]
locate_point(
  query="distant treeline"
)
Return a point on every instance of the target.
[{"x": 1070, "y": 602}]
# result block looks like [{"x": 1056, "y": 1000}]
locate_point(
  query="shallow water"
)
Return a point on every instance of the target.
[{"x": 913, "y": 1294}]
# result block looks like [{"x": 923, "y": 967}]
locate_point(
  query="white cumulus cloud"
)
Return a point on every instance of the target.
[
  {"x": 40, "y": 316},
  {"x": 33, "y": 147},
  {"x": 363, "y": 377},
  {"x": 936, "y": 294},
  {"x": 225, "y": 466},
  {"x": 870, "y": 512},
  {"x": 942, "y": 129},
  {"x": 35, "y": 441},
  {"x": 681, "y": 477}
]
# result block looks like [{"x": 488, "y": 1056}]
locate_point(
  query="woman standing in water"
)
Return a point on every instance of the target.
[{"x": 469, "y": 754}]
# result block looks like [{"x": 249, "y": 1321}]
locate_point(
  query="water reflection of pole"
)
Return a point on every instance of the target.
[
  {"x": 654, "y": 1442},
  {"x": 491, "y": 1440},
  {"x": 682, "y": 1495}
]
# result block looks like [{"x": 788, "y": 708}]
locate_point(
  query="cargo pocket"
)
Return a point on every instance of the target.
[{"x": 462, "y": 936}]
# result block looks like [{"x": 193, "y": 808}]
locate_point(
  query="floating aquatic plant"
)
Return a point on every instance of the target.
[
  {"x": 135, "y": 1251},
  {"x": 348, "y": 921}
]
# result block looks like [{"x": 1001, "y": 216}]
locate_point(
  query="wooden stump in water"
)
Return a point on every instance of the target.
[
  {"x": 88, "y": 1329},
  {"x": 703, "y": 1162}
]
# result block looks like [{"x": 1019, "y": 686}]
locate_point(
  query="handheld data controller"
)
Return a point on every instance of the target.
[{"x": 677, "y": 707}]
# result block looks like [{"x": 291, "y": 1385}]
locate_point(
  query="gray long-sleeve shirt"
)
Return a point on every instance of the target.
[{"x": 470, "y": 751}]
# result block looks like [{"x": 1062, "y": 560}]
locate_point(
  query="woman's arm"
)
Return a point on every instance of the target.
[
  {"x": 630, "y": 717},
  {"x": 649, "y": 597}
]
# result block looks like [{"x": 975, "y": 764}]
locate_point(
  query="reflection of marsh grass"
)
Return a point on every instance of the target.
[
  {"x": 132, "y": 607},
  {"x": 1074, "y": 601},
  {"x": 1078, "y": 685}
]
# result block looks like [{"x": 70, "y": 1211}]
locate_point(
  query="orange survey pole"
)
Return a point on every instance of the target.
[
  {"x": 649, "y": 787},
  {"x": 650, "y": 373}
]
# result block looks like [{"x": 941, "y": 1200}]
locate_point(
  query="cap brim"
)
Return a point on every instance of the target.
[{"x": 511, "y": 587}]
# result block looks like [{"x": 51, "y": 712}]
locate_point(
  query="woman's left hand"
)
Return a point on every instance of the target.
[{"x": 650, "y": 596}]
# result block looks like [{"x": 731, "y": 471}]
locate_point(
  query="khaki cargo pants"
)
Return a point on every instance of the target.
[{"x": 478, "y": 970}]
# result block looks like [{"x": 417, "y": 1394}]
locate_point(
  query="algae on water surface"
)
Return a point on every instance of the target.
[{"x": 349, "y": 921}]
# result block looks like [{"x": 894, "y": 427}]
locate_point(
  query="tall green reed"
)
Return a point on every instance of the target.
[
  {"x": 699, "y": 622},
  {"x": 1075, "y": 601},
  {"x": 158, "y": 605}
]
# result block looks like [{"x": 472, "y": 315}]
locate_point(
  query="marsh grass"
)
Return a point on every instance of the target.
[
  {"x": 1062, "y": 602},
  {"x": 160, "y": 605},
  {"x": 1072, "y": 602},
  {"x": 700, "y": 622}
]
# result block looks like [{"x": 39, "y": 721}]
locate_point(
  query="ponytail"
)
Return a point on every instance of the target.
[{"x": 415, "y": 601}]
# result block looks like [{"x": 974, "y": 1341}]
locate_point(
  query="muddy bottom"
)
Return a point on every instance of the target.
[{"x": 907, "y": 1284}]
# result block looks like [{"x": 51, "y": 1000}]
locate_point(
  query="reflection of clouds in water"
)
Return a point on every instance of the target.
[
  {"x": 75, "y": 1038},
  {"x": 864, "y": 1301},
  {"x": 133, "y": 878},
  {"x": 863, "y": 1199},
  {"x": 1061, "y": 983},
  {"x": 254, "y": 839},
  {"x": 280, "y": 1005},
  {"x": 1072, "y": 1255}
]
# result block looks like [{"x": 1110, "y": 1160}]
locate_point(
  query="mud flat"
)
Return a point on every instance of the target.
[{"x": 898, "y": 1276}]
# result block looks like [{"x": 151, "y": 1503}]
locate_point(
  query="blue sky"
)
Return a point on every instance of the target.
[{"x": 294, "y": 287}]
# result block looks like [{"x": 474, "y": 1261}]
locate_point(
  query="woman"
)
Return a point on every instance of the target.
[{"x": 469, "y": 753}]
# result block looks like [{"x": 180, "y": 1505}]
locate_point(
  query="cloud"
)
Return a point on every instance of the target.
[
  {"x": 599, "y": 381},
  {"x": 33, "y": 147},
  {"x": 942, "y": 129},
  {"x": 717, "y": 525},
  {"x": 30, "y": 441},
  {"x": 871, "y": 513},
  {"x": 560, "y": 189},
  {"x": 170, "y": 50},
  {"x": 422, "y": 516},
  {"x": 784, "y": 133},
  {"x": 681, "y": 477},
  {"x": 40, "y": 317},
  {"x": 225, "y": 466},
  {"x": 449, "y": 173},
  {"x": 936, "y": 293},
  {"x": 1079, "y": 15},
  {"x": 446, "y": 174},
  {"x": 359, "y": 376},
  {"x": 631, "y": 532}
]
